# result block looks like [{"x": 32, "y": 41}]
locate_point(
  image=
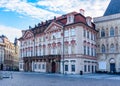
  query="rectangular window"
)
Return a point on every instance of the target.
[
  {"x": 66, "y": 49},
  {"x": 91, "y": 36},
  {"x": 43, "y": 51},
  {"x": 92, "y": 51},
  {"x": 88, "y": 34},
  {"x": 88, "y": 51},
  {"x": 66, "y": 67},
  {"x": 73, "y": 68},
  {"x": 84, "y": 33},
  {"x": 88, "y": 68},
  {"x": 59, "y": 50},
  {"x": 72, "y": 32},
  {"x": 85, "y": 69},
  {"x": 84, "y": 50},
  {"x": 35, "y": 66},
  {"x": 73, "y": 49},
  {"x": 66, "y": 34},
  {"x": 39, "y": 66},
  {"x": 43, "y": 66},
  {"x": 58, "y": 35}
]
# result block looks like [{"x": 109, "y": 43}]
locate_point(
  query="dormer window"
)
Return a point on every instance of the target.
[
  {"x": 88, "y": 20},
  {"x": 70, "y": 19}
]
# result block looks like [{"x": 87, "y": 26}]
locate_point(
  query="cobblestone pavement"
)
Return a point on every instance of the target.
[{"x": 42, "y": 79}]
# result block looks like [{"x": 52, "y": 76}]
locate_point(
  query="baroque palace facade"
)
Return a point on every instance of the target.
[
  {"x": 108, "y": 38},
  {"x": 66, "y": 44},
  {"x": 9, "y": 54}
]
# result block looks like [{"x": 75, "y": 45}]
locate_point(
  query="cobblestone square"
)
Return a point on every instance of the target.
[{"x": 42, "y": 79}]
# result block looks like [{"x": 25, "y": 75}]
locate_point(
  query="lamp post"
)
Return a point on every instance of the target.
[{"x": 63, "y": 50}]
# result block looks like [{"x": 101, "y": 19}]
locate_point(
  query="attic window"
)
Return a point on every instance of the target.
[{"x": 70, "y": 19}]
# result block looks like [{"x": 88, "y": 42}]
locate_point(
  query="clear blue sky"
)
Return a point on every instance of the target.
[{"x": 17, "y": 15}]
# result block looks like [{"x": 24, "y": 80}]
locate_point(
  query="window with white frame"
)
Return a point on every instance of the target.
[
  {"x": 112, "y": 32},
  {"x": 66, "y": 49},
  {"x": 72, "y": 49},
  {"x": 58, "y": 35},
  {"x": 73, "y": 68},
  {"x": 84, "y": 32},
  {"x": 84, "y": 50},
  {"x": 59, "y": 50},
  {"x": 88, "y": 34},
  {"x": 66, "y": 33},
  {"x": 103, "y": 48},
  {"x": 72, "y": 32},
  {"x": 66, "y": 67},
  {"x": 112, "y": 48},
  {"x": 88, "y": 50}
]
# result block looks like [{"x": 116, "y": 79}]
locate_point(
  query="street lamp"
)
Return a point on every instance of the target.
[{"x": 63, "y": 51}]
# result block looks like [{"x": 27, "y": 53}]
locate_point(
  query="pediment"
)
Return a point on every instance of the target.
[
  {"x": 53, "y": 26},
  {"x": 28, "y": 34}
]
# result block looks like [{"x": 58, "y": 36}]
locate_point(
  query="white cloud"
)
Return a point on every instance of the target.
[
  {"x": 92, "y": 8},
  {"x": 25, "y": 8},
  {"x": 10, "y": 32}
]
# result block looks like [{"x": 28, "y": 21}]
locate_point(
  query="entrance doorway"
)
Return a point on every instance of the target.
[
  {"x": 112, "y": 67},
  {"x": 53, "y": 70}
]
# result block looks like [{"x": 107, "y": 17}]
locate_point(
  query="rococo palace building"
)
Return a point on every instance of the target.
[{"x": 65, "y": 44}]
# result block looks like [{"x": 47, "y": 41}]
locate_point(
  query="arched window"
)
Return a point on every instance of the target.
[
  {"x": 102, "y": 33},
  {"x": 112, "y": 48},
  {"x": 103, "y": 48},
  {"x": 112, "y": 32}
]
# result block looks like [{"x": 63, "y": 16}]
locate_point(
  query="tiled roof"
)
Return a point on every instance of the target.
[{"x": 113, "y": 8}]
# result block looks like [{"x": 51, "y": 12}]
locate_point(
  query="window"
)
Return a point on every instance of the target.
[
  {"x": 73, "y": 68},
  {"x": 39, "y": 50},
  {"x": 84, "y": 33},
  {"x": 85, "y": 69},
  {"x": 59, "y": 50},
  {"x": 53, "y": 50},
  {"x": 66, "y": 33},
  {"x": 92, "y": 51},
  {"x": 103, "y": 48},
  {"x": 66, "y": 67},
  {"x": 88, "y": 68},
  {"x": 39, "y": 66},
  {"x": 35, "y": 66},
  {"x": 72, "y": 32},
  {"x": 88, "y": 34},
  {"x": 58, "y": 35},
  {"x": 21, "y": 67},
  {"x": 72, "y": 49},
  {"x": 84, "y": 50},
  {"x": 112, "y": 48},
  {"x": 112, "y": 31},
  {"x": 66, "y": 49},
  {"x": 88, "y": 51},
  {"x": 44, "y": 51},
  {"x": 53, "y": 36},
  {"x": 43, "y": 66},
  {"x": 102, "y": 33},
  {"x": 91, "y": 36}
]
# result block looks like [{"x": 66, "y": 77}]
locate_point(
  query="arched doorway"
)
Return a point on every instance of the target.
[
  {"x": 53, "y": 65},
  {"x": 112, "y": 65}
]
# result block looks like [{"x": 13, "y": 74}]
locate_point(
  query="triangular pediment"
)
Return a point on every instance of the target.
[
  {"x": 28, "y": 34},
  {"x": 53, "y": 26}
]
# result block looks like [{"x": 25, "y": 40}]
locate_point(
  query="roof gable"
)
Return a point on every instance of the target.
[
  {"x": 53, "y": 26},
  {"x": 28, "y": 34}
]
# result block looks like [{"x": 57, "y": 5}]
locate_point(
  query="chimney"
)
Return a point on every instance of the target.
[
  {"x": 82, "y": 12},
  {"x": 88, "y": 19}
]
